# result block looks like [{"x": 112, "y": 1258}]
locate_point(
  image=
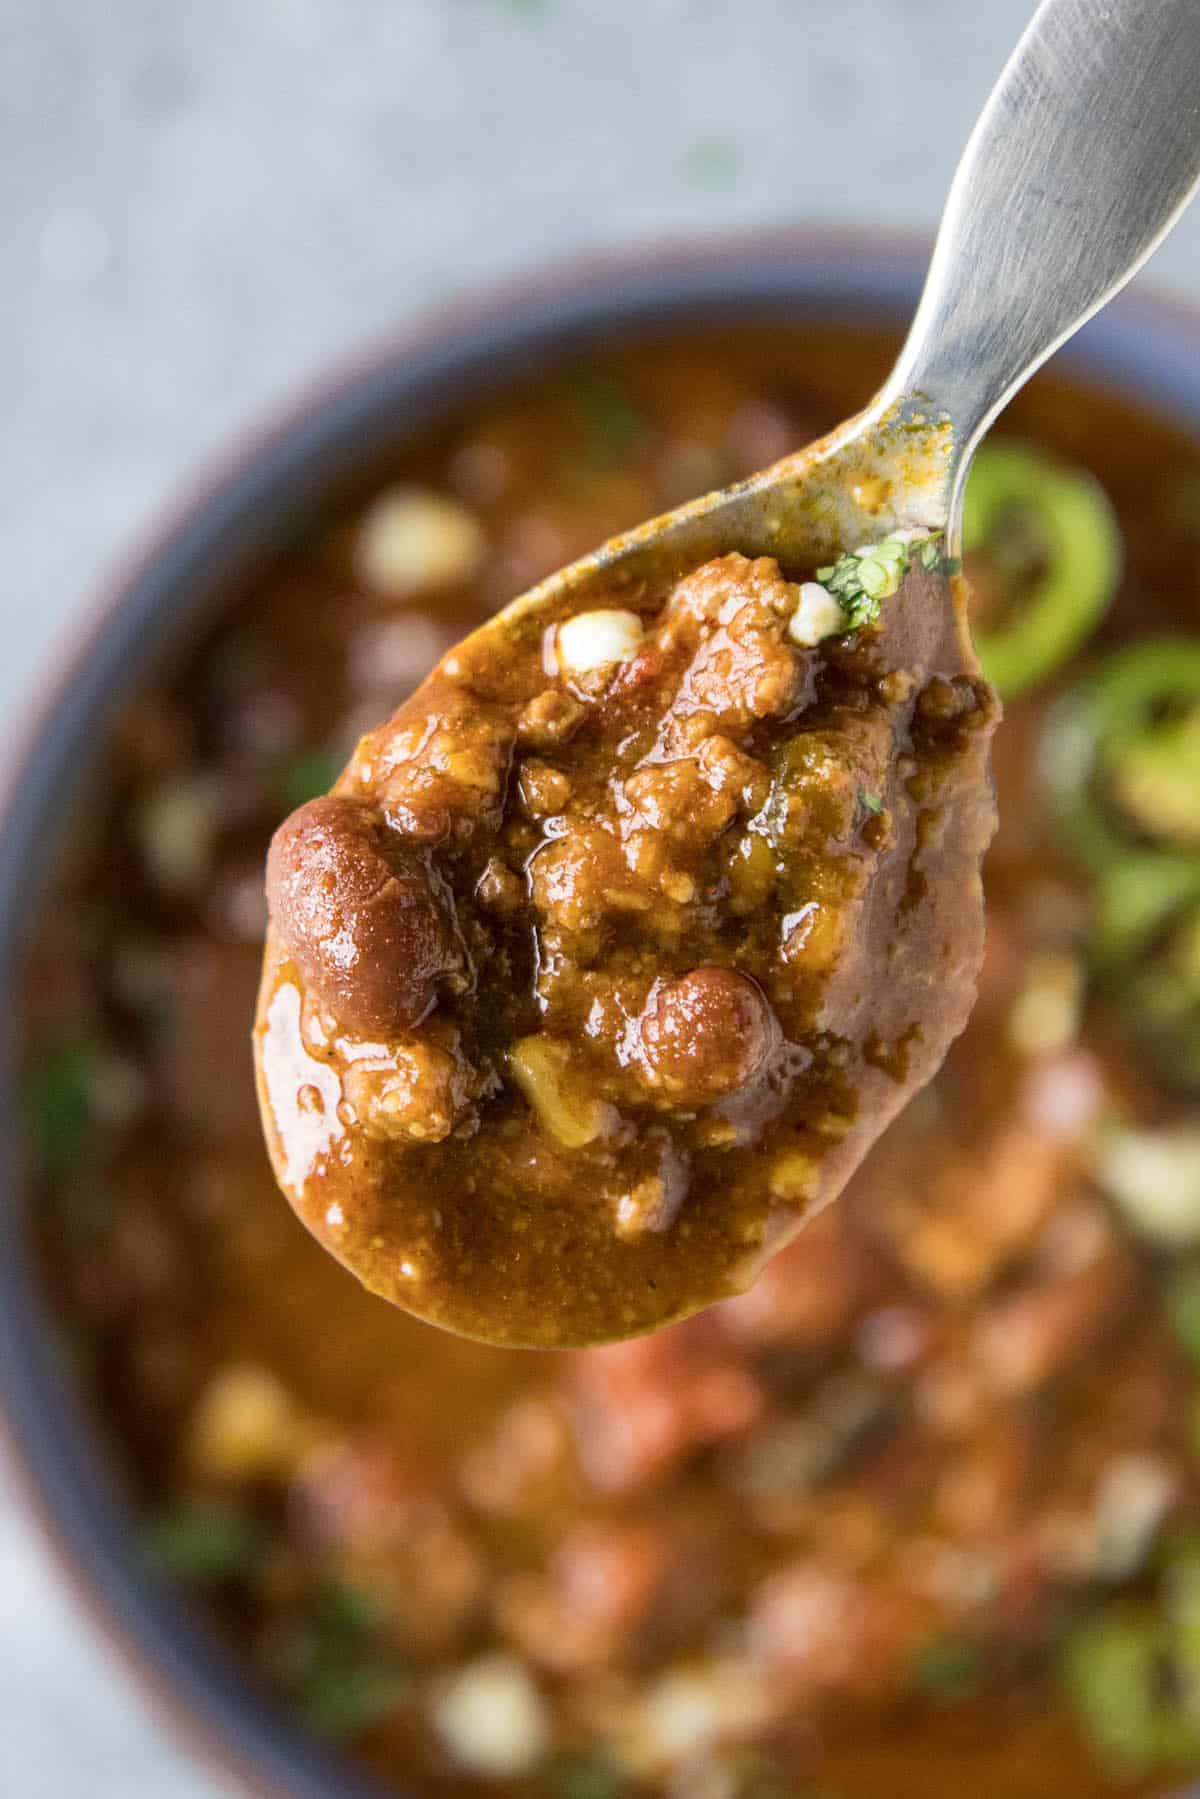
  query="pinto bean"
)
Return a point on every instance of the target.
[
  {"x": 357, "y": 910},
  {"x": 706, "y": 1036}
]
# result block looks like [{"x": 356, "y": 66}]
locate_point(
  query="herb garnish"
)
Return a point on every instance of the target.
[
  {"x": 860, "y": 580},
  {"x": 207, "y": 1541},
  {"x": 341, "y": 1670}
]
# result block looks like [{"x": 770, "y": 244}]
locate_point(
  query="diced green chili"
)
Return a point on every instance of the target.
[
  {"x": 1156, "y": 780},
  {"x": 1120, "y": 758},
  {"x": 1049, "y": 536},
  {"x": 1112, "y": 1670},
  {"x": 1130, "y": 707},
  {"x": 1161, "y": 997},
  {"x": 1132, "y": 1673},
  {"x": 1181, "y": 1607},
  {"x": 207, "y": 1542},
  {"x": 1137, "y": 899}
]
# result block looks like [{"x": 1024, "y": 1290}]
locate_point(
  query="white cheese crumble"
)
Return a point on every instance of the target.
[
  {"x": 176, "y": 828},
  {"x": 1045, "y": 1016},
  {"x": 1154, "y": 1179},
  {"x": 690, "y": 1709},
  {"x": 817, "y": 616},
  {"x": 593, "y": 640},
  {"x": 412, "y": 540},
  {"x": 245, "y": 1426},
  {"x": 492, "y": 1718},
  {"x": 1135, "y": 1496}
]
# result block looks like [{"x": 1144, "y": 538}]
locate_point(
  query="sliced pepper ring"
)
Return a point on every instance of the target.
[
  {"x": 1120, "y": 762},
  {"x": 1076, "y": 527},
  {"x": 1159, "y": 991},
  {"x": 1110, "y": 717}
]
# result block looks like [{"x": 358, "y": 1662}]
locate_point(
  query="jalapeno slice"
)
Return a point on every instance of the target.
[
  {"x": 1044, "y": 560},
  {"x": 1132, "y": 1672},
  {"x": 1120, "y": 759},
  {"x": 1160, "y": 993}
]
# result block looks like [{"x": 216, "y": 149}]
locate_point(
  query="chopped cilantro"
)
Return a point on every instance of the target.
[
  {"x": 860, "y": 580},
  {"x": 207, "y": 1542},
  {"x": 929, "y": 554},
  {"x": 870, "y": 802}
]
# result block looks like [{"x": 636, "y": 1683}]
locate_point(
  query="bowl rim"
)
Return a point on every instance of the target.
[{"x": 212, "y": 1705}]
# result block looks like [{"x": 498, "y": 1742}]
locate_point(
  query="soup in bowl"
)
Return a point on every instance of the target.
[{"x": 923, "y": 1505}]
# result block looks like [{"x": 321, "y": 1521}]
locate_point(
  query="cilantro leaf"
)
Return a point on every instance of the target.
[{"x": 861, "y": 580}]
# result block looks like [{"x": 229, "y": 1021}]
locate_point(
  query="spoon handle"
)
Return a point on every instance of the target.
[{"x": 1082, "y": 160}]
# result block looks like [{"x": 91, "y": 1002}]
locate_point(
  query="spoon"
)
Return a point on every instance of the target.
[
  {"x": 449, "y": 1127},
  {"x": 1083, "y": 159}
]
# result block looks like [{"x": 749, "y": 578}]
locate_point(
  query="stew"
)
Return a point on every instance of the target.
[
  {"x": 918, "y": 1512},
  {"x": 613, "y": 950}
]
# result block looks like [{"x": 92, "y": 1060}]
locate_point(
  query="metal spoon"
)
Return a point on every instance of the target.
[
  {"x": 1084, "y": 156},
  {"x": 1082, "y": 160}
]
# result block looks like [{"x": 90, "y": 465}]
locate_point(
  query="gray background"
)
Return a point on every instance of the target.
[{"x": 200, "y": 203}]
